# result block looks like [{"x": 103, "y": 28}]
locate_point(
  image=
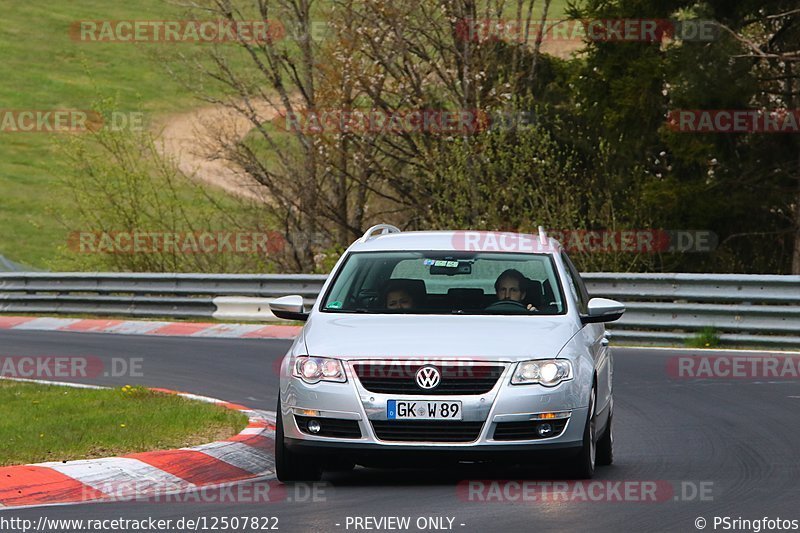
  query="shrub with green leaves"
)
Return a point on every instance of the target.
[{"x": 705, "y": 338}]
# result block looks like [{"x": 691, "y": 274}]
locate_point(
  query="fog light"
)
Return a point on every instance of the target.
[
  {"x": 544, "y": 430},
  {"x": 313, "y": 426}
]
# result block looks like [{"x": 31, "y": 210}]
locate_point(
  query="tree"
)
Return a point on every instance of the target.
[{"x": 743, "y": 186}]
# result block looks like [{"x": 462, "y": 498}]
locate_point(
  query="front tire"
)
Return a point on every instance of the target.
[
  {"x": 584, "y": 466},
  {"x": 289, "y": 466},
  {"x": 605, "y": 446}
]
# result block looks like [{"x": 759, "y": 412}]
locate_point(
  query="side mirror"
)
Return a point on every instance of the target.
[
  {"x": 289, "y": 308},
  {"x": 603, "y": 310}
]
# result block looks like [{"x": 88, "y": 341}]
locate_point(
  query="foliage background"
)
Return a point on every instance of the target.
[{"x": 580, "y": 140}]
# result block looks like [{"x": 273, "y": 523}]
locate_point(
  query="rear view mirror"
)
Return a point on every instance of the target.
[
  {"x": 289, "y": 308},
  {"x": 603, "y": 310},
  {"x": 443, "y": 267}
]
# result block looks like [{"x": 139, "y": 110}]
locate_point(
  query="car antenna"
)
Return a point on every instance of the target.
[{"x": 542, "y": 236}]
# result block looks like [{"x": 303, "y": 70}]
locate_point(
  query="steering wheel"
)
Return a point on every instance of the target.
[{"x": 507, "y": 305}]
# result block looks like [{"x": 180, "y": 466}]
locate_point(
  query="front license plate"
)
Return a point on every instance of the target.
[{"x": 423, "y": 410}]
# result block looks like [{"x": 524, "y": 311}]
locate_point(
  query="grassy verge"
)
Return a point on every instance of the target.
[
  {"x": 44, "y": 68},
  {"x": 51, "y": 423}
]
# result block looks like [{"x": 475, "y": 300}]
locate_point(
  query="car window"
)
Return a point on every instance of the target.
[
  {"x": 446, "y": 282},
  {"x": 576, "y": 284}
]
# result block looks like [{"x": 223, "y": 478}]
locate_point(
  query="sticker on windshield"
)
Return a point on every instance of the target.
[
  {"x": 335, "y": 305},
  {"x": 440, "y": 263}
]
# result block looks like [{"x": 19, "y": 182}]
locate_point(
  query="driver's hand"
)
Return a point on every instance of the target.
[{"x": 531, "y": 308}]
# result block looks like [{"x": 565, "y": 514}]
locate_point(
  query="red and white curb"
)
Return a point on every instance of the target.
[
  {"x": 149, "y": 327},
  {"x": 247, "y": 456}
]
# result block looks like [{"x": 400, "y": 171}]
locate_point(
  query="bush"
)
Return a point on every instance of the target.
[{"x": 705, "y": 338}]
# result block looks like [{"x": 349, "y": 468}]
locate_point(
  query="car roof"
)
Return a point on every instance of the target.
[{"x": 460, "y": 240}]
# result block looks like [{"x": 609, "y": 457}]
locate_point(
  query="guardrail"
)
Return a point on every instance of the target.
[
  {"x": 143, "y": 295},
  {"x": 744, "y": 309}
]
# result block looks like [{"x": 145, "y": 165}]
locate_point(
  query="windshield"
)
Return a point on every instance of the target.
[{"x": 446, "y": 283}]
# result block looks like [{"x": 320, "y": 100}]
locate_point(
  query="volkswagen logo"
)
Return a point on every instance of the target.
[{"x": 428, "y": 377}]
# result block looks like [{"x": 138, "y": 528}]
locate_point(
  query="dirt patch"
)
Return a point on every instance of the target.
[
  {"x": 195, "y": 140},
  {"x": 562, "y": 49}
]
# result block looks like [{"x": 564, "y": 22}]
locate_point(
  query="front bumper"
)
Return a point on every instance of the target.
[
  {"x": 370, "y": 454},
  {"x": 505, "y": 403}
]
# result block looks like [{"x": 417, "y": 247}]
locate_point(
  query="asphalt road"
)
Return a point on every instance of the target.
[{"x": 737, "y": 440}]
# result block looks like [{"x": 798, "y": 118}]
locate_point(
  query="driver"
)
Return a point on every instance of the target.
[{"x": 510, "y": 287}]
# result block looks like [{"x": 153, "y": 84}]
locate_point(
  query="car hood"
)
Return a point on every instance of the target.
[{"x": 499, "y": 337}]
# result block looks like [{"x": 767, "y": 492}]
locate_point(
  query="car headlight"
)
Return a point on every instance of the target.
[
  {"x": 547, "y": 372},
  {"x": 315, "y": 369}
]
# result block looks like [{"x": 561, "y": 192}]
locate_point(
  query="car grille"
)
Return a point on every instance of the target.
[
  {"x": 427, "y": 431},
  {"x": 331, "y": 427},
  {"x": 527, "y": 430},
  {"x": 399, "y": 378}
]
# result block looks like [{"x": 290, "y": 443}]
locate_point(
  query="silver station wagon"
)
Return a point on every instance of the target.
[{"x": 427, "y": 347}]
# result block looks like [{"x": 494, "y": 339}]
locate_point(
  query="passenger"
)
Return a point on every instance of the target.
[{"x": 399, "y": 299}]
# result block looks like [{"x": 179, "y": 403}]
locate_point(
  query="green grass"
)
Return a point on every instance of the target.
[
  {"x": 707, "y": 337},
  {"x": 44, "y": 68},
  {"x": 557, "y": 9},
  {"x": 51, "y": 423}
]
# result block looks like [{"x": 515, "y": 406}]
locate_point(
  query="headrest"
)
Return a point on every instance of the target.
[
  {"x": 414, "y": 287},
  {"x": 533, "y": 293},
  {"x": 465, "y": 293}
]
